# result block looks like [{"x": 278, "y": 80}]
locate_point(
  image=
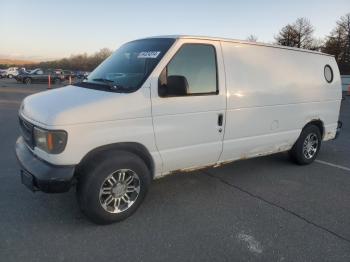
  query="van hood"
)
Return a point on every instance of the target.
[{"x": 75, "y": 105}]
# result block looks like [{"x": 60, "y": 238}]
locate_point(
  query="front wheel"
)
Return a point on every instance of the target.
[
  {"x": 10, "y": 76},
  {"x": 112, "y": 188},
  {"x": 306, "y": 148}
]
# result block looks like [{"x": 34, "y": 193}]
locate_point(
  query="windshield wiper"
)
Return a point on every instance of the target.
[
  {"x": 102, "y": 80},
  {"x": 112, "y": 85}
]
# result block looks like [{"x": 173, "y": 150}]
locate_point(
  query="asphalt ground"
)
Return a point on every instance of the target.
[{"x": 263, "y": 209}]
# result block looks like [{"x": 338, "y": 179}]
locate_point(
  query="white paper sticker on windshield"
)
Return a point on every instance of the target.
[{"x": 149, "y": 54}]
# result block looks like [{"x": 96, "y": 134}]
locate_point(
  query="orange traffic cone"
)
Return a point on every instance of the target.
[{"x": 49, "y": 83}]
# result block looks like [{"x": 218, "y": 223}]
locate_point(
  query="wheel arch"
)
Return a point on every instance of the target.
[
  {"x": 131, "y": 147},
  {"x": 318, "y": 123}
]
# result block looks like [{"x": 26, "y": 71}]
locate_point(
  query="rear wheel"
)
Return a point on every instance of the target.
[
  {"x": 112, "y": 188},
  {"x": 10, "y": 76},
  {"x": 306, "y": 148}
]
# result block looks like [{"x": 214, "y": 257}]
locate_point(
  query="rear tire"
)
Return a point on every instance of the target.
[
  {"x": 306, "y": 148},
  {"x": 10, "y": 76},
  {"x": 104, "y": 194}
]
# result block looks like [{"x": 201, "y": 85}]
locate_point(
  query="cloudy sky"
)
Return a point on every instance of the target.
[{"x": 46, "y": 29}]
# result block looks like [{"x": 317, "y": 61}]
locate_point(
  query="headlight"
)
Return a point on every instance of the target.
[{"x": 52, "y": 142}]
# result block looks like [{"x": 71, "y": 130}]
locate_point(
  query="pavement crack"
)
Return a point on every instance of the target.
[{"x": 277, "y": 206}]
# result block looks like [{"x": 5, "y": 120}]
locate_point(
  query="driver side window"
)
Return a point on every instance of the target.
[{"x": 192, "y": 71}]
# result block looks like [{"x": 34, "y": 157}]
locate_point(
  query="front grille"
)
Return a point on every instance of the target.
[{"x": 27, "y": 132}]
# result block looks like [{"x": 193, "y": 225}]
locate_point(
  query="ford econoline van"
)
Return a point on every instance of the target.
[{"x": 174, "y": 103}]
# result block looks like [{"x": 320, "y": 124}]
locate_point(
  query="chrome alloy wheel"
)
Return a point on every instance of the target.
[
  {"x": 119, "y": 190},
  {"x": 310, "y": 146}
]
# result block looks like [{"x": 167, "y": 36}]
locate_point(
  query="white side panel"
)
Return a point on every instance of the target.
[
  {"x": 263, "y": 76},
  {"x": 272, "y": 94},
  {"x": 272, "y": 129}
]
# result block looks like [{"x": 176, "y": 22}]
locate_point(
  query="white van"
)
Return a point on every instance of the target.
[{"x": 174, "y": 103}]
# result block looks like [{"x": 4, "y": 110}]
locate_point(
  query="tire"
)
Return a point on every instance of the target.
[
  {"x": 27, "y": 81},
  {"x": 307, "y": 147},
  {"x": 95, "y": 188},
  {"x": 10, "y": 76}
]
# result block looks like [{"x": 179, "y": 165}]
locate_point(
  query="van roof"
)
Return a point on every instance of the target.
[{"x": 238, "y": 41}]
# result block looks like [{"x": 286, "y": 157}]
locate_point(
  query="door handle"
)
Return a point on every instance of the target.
[
  {"x": 220, "y": 118},
  {"x": 220, "y": 121}
]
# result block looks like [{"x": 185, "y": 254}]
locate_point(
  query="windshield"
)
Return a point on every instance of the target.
[{"x": 128, "y": 67}]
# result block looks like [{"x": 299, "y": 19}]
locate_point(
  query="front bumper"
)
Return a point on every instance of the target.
[{"x": 39, "y": 175}]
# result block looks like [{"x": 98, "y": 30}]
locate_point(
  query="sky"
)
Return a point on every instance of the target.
[{"x": 44, "y": 30}]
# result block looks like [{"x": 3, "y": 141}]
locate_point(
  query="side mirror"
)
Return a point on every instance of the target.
[{"x": 176, "y": 85}]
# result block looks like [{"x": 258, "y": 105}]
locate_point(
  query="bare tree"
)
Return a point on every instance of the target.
[
  {"x": 338, "y": 44},
  {"x": 334, "y": 43},
  {"x": 305, "y": 32},
  {"x": 103, "y": 53},
  {"x": 98, "y": 57},
  {"x": 287, "y": 36},
  {"x": 299, "y": 34},
  {"x": 252, "y": 38},
  {"x": 344, "y": 26},
  {"x": 317, "y": 44}
]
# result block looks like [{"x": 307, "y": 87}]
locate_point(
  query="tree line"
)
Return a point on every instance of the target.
[
  {"x": 81, "y": 62},
  {"x": 299, "y": 34}
]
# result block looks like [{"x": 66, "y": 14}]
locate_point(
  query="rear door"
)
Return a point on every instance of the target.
[{"x": 189, "y": 128}]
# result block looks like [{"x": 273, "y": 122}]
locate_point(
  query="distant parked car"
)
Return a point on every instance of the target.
[
  {"x": 3, "y": 73},
  {"x": 12, "y": 72},
  {"x": 21, "y": 71},
  {"x": 40, "y": 76},
  {"x": 79, "y": 74},
  {"x": 23, "y": 75},
  {"x": 68, "y": 73},
  {"x": 82, "y": 74},
  {"x": 58, "y": 71}
]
